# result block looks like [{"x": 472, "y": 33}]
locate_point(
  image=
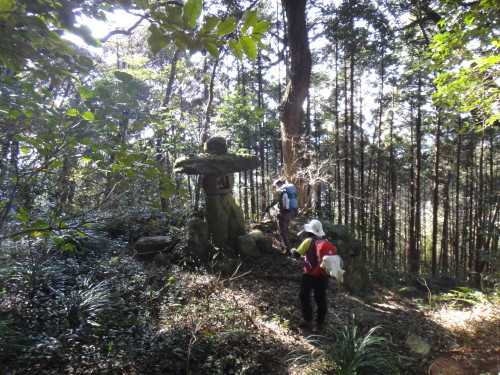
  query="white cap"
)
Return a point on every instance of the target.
[
  {"x": 278, "y": 182},
  {"x": 314, "y": 226}
]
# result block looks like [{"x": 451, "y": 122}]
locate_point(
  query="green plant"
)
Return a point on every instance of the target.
[
  {"x": 12, "y": 341},
  {"x": 463, "y": 297},
  {"x": 85, "y": 305},
  {"x": 345, "y": 351}
]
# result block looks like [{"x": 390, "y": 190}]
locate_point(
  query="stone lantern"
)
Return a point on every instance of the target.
[{"x": 216, "y": 165}]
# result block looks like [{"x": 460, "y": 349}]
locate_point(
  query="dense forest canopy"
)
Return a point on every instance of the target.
[{"x": 394, "y": 134}]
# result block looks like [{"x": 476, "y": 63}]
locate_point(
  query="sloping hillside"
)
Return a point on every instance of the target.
[{"x": 107, "y": 313}]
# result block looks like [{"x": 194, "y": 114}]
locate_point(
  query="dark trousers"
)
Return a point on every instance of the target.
[
  {"x": 283, "y": 223},
  {"x": 319, "y": 285}
]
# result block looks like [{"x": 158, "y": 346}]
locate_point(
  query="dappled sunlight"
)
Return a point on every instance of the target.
[{"x": 477, "y": 334}]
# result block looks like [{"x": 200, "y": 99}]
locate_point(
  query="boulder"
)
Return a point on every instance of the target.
[
  {"x": 247, "y": 247},
  {"x": 147, "y": 247},
  {"x": 264, "y": 244}
]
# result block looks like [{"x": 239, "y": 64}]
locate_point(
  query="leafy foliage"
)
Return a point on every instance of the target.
[
  {"x": 461, "y": 297},
  {"x": 466, "y": 55}
]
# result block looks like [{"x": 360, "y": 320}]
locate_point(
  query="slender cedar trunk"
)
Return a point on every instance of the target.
[
  {"x": 166, "y": 160},
  {"x": 253, "y": 203},
  {"x": 338, "y": 178},
  {"x": 435, "y": 192},
  {"x": 444, "y": 258},
  {"x": 209, "y": 98},
  {"x": 261, "y": 145},
  {"x": 418, "y": 172},
  {"x": 456, "y": 241},
  {"x": 379, "y": 192},
  {"x": 243, "y": 193},
  {"x": 248, "y": 190},
  {"x": 362, "y": 188},
  {"x": 478, "y": 220},
  {"x": 376, "y": 186},
  {"x": 492, "y": 238},
  {"x": 393, "y": 193},
  {"x": 411, "y": 221},
  {"x": 347, "y": 168},
  {"x": 318, "y": 151},
  {"x": 468, "y": 229},
  {"x": 352, "y": 154},
  {"x": 415, "y": 218},
  {"x": 330, "y": 214},
  {"x": 291, "y": 113},
  {"x": 306, "y": 149}
]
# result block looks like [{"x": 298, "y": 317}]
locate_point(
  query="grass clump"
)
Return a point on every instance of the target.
[{"x": 346, "y": 351}]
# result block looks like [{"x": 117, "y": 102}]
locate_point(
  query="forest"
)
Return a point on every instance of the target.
[{"x": 384, "y": 115}]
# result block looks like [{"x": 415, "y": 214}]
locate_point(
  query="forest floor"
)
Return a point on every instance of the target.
[{"x": 178, "y": 320}]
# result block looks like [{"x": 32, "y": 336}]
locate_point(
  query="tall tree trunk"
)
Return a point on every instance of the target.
[
  {"x": 393, "y": 194},
  {"x": 352, "y": 149},
  {"x": 444, "y": 258},
  {"x": 338, "y": 177},
  {"x": 261, "y": 145},
  {"x": 346, "y": 147},
  {"x": 208, "y": 97},
  {"x": 163, "y": 156},
  {"x": 297, "y": 89},
  {"x": 412, "y": 240},
  {"x": 478, "y": 220},
  {"x": 456, "y": 240},
  {"x": 435, "y": 192}
]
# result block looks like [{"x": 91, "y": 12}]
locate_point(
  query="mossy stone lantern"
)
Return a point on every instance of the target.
[{"x": 217, "y": 166}]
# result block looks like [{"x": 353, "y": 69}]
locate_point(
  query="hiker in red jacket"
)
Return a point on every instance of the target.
[{"x": 307, "y": 249}]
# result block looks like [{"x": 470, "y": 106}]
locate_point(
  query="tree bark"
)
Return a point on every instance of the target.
[{"x": 291, "y": 111}]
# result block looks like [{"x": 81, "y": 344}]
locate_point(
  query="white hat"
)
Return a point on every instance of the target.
[
  {"x": 278, "y": 182},
  {"x": 314, "y": 226}
]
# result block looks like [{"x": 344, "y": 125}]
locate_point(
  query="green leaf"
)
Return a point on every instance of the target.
[
  {"x": 209, "y": 24},
  {"x": 236, "y": 49},
  {"x": 85, "y": 92},
  {"x": 88, "y": 115},
  {"x": 249, "y": 47},
  {"x": 23, "y": 217},
  {"x": 85, "y": 33},
  {"x": 211, "y": 48},
  {"x": 227, "y": 27},
  {"x": 73, "y": 112},
  {"x": 158, "y": 39},
  {"x": 249, "y": 19},
  {"x": 191, "y": 12},
  {"x": 122, "y": 76},
  {"x": 261, "y": 28}
]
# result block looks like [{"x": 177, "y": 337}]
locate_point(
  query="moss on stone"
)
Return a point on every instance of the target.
[{"x": 205, "y": 164}]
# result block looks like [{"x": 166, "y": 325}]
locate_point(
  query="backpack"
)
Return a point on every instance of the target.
[
  {"x": 289, "y": 201},
  {"x": 323, "y": 249}
]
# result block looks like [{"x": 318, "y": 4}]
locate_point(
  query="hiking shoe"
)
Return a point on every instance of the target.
[{"x": 305, "y": 324}]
